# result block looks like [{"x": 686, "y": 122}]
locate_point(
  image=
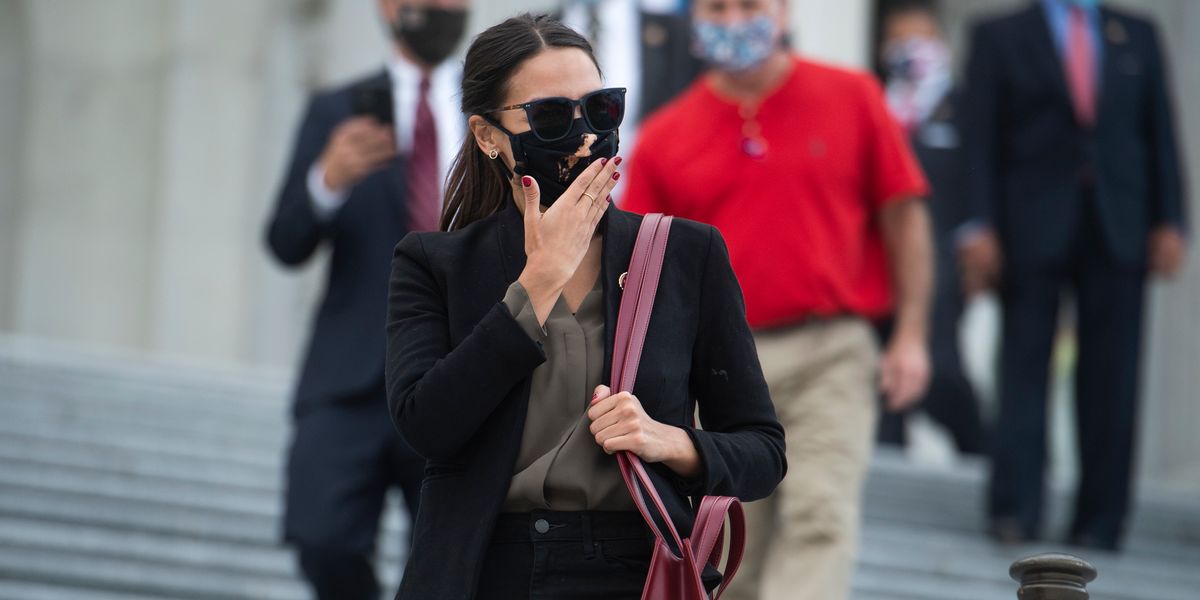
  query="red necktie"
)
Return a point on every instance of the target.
[
  {"x": 1081, "y": 67},
  {"x": 424, "y": 194}
]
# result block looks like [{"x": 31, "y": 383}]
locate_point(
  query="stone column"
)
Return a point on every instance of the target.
[
  {"x": 13, "y": 83},
  {"x": 837, "y": 32},
  {"x": 92, "y": 168}
]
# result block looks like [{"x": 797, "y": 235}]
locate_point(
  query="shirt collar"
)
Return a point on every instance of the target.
[
  {"x": 1090, "y": 7},
  {"x": 400, "y": 68}
]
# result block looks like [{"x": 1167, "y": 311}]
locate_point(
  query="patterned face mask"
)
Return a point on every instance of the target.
[{"x": 738, "y": 46}]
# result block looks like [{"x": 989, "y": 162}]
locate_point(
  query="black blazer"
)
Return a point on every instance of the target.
[
  {"x": 346, "y": 347},
  {"x": 459, "y": 367},
  {"x": 1027, "y": 155}
]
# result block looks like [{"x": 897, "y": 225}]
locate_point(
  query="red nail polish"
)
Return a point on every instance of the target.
[
  {"x": 526, "y": 181},
  {"x": 616, "y": 176},
  {"x": 603, "y": 161},
  {"x": 618, "y": 160}
]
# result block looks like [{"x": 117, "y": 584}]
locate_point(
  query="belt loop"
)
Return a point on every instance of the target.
[{"x": 585, "y": 526}]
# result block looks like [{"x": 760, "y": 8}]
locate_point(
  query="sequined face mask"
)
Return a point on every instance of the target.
[
  {"x": 739, "y": 46},
  {"x": 555, "y": 165}
]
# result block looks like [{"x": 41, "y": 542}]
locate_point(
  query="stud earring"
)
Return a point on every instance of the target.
[{"x": 493, "y": 154}]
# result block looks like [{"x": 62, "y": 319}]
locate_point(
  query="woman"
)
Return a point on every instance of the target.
[{"x": 500, "y": 333}]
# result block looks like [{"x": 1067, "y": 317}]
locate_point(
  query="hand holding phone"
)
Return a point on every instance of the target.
[{"x": 357, "y": 147}]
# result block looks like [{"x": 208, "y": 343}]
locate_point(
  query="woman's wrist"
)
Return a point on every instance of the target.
[
  {"x": 684, "y": 458},
  {"x": 542, "y": 288}
]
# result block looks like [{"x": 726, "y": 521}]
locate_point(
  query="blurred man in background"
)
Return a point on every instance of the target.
[
  {"x": 1075, "y": 182},
  {"x": 818, "y": 196},
  {"x": 643, "y": 46},
  {"x": 368, "y": 167},
  {"x": 920, "y": 92}
]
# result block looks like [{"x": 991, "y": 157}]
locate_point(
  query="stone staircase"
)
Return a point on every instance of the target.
[{"x": 123, "y": 478}]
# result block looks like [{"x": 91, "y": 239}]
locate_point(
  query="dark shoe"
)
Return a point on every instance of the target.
[{"x": 1010, "y": 532}]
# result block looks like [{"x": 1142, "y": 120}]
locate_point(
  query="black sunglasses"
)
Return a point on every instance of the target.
[{"x": 550, "y": 118}]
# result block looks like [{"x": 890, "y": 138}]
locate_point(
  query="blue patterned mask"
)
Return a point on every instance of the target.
[{"x": 739, "y": 46}]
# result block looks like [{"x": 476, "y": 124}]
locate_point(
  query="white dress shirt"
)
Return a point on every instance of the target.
[{"x": 444, "y": 95}]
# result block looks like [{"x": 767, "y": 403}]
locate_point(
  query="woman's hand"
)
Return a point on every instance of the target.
[
  {"x": 556, "y": 241},
  {"x": 619, "y": 423}
]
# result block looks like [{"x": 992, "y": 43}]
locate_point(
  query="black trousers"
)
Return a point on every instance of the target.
[
  {"x": 547, "y": 555},
  {"x": 1109, "y": 300},
  {"x": 344, "y": 458},
  {"x": 950, "y": 400}
]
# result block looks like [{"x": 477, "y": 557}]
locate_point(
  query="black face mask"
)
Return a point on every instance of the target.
[
  {"x": 556, "y": 164},
  {"x": 431, "y": 33}
]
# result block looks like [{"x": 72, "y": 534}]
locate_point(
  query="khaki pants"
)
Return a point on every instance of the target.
[{"x": 803, "y": 540}]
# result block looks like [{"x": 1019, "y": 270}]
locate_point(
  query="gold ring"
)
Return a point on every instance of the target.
[{"x": 591, "y": 197}]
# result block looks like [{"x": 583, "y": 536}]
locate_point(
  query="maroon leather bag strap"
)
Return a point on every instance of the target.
[{"x": 633, "y": 318}]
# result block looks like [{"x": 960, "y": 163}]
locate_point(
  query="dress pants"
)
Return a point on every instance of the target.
[
  {"x": 344, "y": 458},
  {"x": 1109, "y": 300},
  {"x": 803, "y": 540},
  {"x": 548, "y": 555}
]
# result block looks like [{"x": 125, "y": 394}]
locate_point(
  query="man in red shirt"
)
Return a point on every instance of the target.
[{"x": 815, "y": 189}]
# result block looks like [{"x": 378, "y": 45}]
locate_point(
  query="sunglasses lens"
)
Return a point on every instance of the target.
[
  {"x": 605, "y": 109},
  {"x": 551, "y": 118}
]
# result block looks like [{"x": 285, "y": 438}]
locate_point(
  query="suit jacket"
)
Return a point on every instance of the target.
[
  {"x": 1029, "y": 161},
  {"x": 459, "y": 369},
  {"x": 937, "y": 144},
  {"x": 668, "y": 65},
  {"x": 346, "y": 348}
]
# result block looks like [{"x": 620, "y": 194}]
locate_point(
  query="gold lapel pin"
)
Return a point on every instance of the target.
[
  {"x": 1115, "y": 32},
  {"x": 654, "y": 35}
]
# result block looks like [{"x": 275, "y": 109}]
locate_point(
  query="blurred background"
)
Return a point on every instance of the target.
[{"x": 148, "y": 343}]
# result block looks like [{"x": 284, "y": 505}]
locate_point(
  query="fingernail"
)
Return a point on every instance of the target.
[
  {"x": 526, "y": 181},
  {"x": 603, "y": 161},
  {"x": 617, "y": 160},
  {"x": 616, "y": 176}
]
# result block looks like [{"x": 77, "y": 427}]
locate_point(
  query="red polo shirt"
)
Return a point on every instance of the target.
[{"x": 800, "y": 221}]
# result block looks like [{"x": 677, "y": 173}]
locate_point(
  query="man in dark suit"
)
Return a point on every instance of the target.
[
  {"x": 1075, "y": 181},
  {"x": 646, "y": 51},
  {"x": 920, "y": 91},
  {"x": 367, "y": 169}
]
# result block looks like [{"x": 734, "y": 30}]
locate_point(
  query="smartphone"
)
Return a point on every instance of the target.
[{"x": 374, "y": 100}]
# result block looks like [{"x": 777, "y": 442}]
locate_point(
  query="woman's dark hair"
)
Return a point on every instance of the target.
[{"x": 478, "y": 186}]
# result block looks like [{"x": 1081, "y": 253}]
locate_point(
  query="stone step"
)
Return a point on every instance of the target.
[
  {"x": 233, "y": 430},
  {"x": 141, "y": 546},
  {"x": 32, "y": 590},
  {"x": 253, "y": 501},
  {"x": 106, "y": 458},
  {"x": 119, "y": 394},
  {"x": 265, "y": 455},
  {"x": 1129, "y": 575},
  {"x": 71, "y": 508},
  {"x": 159, "y": 580}
]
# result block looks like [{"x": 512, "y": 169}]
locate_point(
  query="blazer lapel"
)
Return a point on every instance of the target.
[
  {"x": 620, "y": 229},
  {"x": 1047, "y": 57},
  {"x": 1112, "y": 38},
  {"x": 511, "y": 233}
]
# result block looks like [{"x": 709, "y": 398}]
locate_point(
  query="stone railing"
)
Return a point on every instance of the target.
[{"x": 1052, "y": 576}]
